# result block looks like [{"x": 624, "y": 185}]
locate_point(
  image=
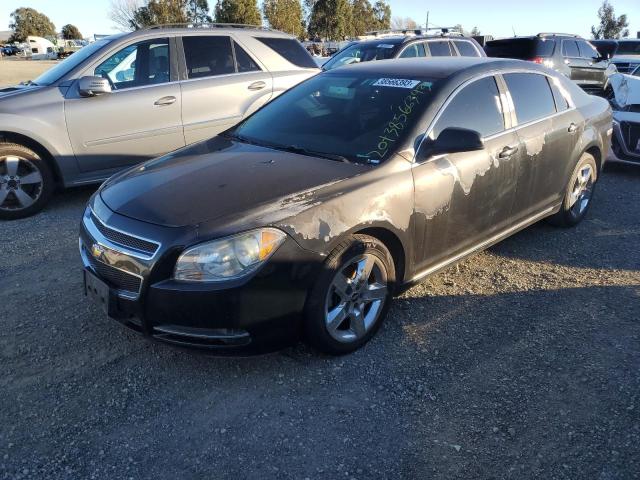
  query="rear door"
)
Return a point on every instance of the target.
[
  {"x": 595, "y": 70},
  {"x": 579, "y": 67},
  {"x": 221, "y": 83},
  {"x": 139, "y": 119}
]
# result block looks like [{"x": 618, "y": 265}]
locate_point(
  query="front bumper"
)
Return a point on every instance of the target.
[
  {"x": 625, "y": 143},
  {"x": 250, "y": 315}
]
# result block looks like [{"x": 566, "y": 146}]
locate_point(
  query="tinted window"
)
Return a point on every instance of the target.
[
  {"x": 291, "y": 49},
  {"x": 440, "y": 49},
  {"x": 208, "y": 56},
  {"x": 586, "y": 50},
  {"x": 143, "y": 63},
  {"x": 570, "y": 48},
  {"x": 561, "y": 102},
  {"x": 360, "y": 116},
  {"x": 466, "y": 49},
  {"x": 244, "y": 61},
  {"x": 521, "y": 48},
  {"x": 531, "y": 96},
  {"x": 415, "y": 50},
  {"x": 361, "y": 53},
  {"x": 628, "y": 47},
  {"x": 476, "y": 107}
]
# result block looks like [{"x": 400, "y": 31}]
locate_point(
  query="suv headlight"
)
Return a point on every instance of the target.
[{"x": 228, "y": 258}]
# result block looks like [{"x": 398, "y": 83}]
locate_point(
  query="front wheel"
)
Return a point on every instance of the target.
[
  {"x": 578, "y": 194},
  {"x": 351, "y": 296}
]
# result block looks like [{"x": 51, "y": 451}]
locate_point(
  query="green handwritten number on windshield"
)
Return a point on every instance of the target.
[{"x": 394, "y": 127}]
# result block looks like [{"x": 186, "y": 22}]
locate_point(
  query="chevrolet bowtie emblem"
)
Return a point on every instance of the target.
[{"x": 97, "y": 250}]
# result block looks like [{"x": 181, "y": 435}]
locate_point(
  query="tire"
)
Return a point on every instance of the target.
[
  {"x": 19, "y": 165},
  {"x": 365, "y": 304},
  {"x": 578, "y": 193}
]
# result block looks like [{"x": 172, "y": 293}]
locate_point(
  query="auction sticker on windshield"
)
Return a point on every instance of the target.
[{"x": 396, "y": 82}]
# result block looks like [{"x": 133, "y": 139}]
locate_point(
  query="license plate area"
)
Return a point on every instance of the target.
[{"x": 98, "y": 291}]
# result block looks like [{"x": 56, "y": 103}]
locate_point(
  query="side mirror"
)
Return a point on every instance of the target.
[
  {"x": 92, "y": 86},
  {"x": 452, "y": 140}
]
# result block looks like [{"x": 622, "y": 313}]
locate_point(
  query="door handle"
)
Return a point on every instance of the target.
[
  {"x": 257, "y": 85},
  {"x": 507, "y": 152},
  {"x": 161, "y": 102},
  {"x": 572, "y": 128}
]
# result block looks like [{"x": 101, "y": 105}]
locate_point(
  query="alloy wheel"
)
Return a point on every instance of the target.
[
  {"x": 582, "y": 190},
  {"x": 20, "y": 183},
  {"x": 356, "y": 298}
]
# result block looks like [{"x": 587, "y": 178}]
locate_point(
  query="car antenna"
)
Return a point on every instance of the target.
[{"x": 514, "y": 31}]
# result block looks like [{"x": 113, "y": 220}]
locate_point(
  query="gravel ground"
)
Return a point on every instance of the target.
[
  {"x": 522, "y": 362},
  {"x": 14, "y": 70}
]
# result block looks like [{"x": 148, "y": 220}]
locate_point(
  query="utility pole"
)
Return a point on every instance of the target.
[{"x": 427, "y": 24}]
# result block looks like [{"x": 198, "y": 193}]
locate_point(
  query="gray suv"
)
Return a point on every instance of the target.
[{"x": 131, "y": 97}]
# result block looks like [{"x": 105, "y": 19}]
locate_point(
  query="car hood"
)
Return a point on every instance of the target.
[
  {"x": 217, "y": 178},
  {"x": 626, "y": 90},
  {"x": 17, "y": 90}
]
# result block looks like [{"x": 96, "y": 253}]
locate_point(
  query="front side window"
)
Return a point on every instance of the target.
[
  {"x": 414, "y": 50},
  {"x": 440, "y": 48},
  {"x": 361, "y": 53},
  {"x": 361, "y": 117},
  {"x": 143, "y": 63},
  {"x": 476, "y": 107},
  {"x": 531, "y": 96},
  {"x": 208, "y": 56},
  {"x": 466, "y": 49},
  {"x": 570, "y": 48}
]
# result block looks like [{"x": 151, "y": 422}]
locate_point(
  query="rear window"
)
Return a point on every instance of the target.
[
  {"x": 570, "y": 48},
  {"x": 531, "y": 96},
  {"x": 587, "y": 50},
  {"x": 520, "y": 48},
  {"x": 440, "y": 48},
  {"x": 291, "y": 49},
  {"x": 466, "y": 49}
]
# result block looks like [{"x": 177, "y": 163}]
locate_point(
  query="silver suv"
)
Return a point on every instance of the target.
[{"x": 130, "y": 97}]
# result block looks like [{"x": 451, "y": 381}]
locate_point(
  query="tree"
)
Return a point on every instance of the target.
[
  {"x": 382, "y": 12},
  {"x": 122, "y": 13},
  {"x": 331, "y": 20},
  {"x": 399, "y": 23},
  {"x": 198, "y": 11},
  {"x": 238, "y": 11},
  {"x": 364, "y": 18},
  {"x": 285, "y": 15},
  {"x": 475, "y": 32},
  {"x": 610, "y": 26},
  {"x": 28, "y": 21},
  {"x": 160, "y": 12},
  {"x": 71, "y": 32},
  {"x": 135, "y": 14}
]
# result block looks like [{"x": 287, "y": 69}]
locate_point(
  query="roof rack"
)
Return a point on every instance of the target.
[
  {"x": 395, "y": 31},
  {"x": 211, "y": 25},
  {"x": 444, "y": 31},
  {"x": 547, "y": 34}
]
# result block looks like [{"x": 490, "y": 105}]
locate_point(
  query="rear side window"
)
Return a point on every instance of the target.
[
  {"x": 415, "y": 50},
  {"x": 291, "y": 49},
  {"x": 208, "y": 56},
  {"x": 531, "y": 96},
  {"x": 561, "y": 102},
  {"x": 476, "y": 107},
  {"x": 440, "y": 48},
  {"x": 466, "y": 49},
  {"x": 244, "y": 61},
  {"x": 587, "y": 50},
  {"x": 570, "y": 48}
]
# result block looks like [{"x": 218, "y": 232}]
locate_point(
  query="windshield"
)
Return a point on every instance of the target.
[
  {"x": 361, "y": 53},
  {"x": 358, "y": 118},
  {"x": 628, "y": 48},
  {"x": 64, "y": 67}
]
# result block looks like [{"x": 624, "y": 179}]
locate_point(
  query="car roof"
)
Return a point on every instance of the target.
[
  {"x": 207, "y": 29},
  {"x": 402, "y": 39},
  {"x": 436, "y": 67}
]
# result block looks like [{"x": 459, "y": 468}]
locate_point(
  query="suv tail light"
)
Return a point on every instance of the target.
[{"x": 539, "y": 60}]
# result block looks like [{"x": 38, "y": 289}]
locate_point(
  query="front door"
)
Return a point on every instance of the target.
[
  {"x": 463, "y": 199},
  {"x": 138, "y": 120}
]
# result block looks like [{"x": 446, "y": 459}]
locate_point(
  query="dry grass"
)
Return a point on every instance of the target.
[{"x": 14, "y": 71}]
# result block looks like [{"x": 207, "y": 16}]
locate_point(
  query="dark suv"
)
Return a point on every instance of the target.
[
  {"x": 405, "y": 44},
  {"x": 570, "y": 55}
]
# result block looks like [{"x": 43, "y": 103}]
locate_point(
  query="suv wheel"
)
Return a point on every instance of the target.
[
  {"x": 578, "y": 194},
  {"x": 26, "y": 182},
  {"x": 351, "y": 297}
]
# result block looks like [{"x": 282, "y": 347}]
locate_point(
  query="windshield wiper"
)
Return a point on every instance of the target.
[{"x": 314, "y": 153}]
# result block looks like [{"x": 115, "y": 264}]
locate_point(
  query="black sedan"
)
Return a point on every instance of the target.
[{"x": 308, "y": 216}]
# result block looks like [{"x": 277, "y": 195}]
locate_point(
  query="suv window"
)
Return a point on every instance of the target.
[
  {"x": 587, "y": 50},
  {"x": 476, "y": 107},
  {"x": 466, "y": 49},
  {"x": 244, "y": 62},
  {"x": 561, "y": 102},
  {"x": 291, "y": 49},
  {"x": 531, "y": 96},
  {"x": 361, "y": 52},
  {"x": 570, "y": 48},
  {"x": 143, "y": 63},
  {"x": 415, "y": 50},
  {"x": 440, "y": 48},
  {"x": 522, "y": 48},
  {"x": 207, "y": 56}
]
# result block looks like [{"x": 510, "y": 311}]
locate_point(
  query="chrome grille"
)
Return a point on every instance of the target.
[
  {"x": 115, "y": 278},
  {"x": 125, "y": 240},
  {"x": 630, "y": 135}
]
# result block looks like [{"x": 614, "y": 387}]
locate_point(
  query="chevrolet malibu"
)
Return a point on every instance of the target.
[{"x": 307, "y": 217}]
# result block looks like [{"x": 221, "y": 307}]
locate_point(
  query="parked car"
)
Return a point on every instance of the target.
[
  {"x": 627, "y": 55},
  {"x": 405, "y": 46},
  {"x": 131, "y": 97},
  {"x": 570, "y": 55},
  {"x": 606, "y": 48},
  {"x": 310, "y": 214},
  {"x": 625, "y": 101},
  {"x": 10, "y": 50}
]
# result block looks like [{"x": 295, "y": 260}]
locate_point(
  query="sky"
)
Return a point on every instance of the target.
[{"x": 499, "y": 18}]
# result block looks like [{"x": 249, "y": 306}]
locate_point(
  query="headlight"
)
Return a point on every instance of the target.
[{"x": 228, "y": 258}]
